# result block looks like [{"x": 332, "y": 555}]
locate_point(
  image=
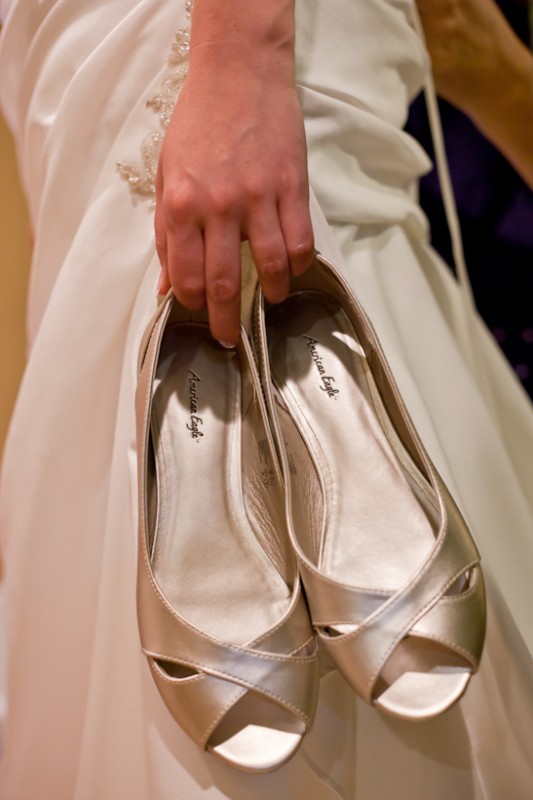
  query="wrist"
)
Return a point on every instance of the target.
[{"x": 253, "y": 36}]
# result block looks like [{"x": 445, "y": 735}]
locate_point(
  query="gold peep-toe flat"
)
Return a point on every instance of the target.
[
  {"x": 222, "y": 618},
  {"x": 390, "y": 570}
]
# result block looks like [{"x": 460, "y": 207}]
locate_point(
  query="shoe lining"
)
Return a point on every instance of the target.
[
  {"x": 374, "y": 531},
  {"x": 213, "y": 549}
]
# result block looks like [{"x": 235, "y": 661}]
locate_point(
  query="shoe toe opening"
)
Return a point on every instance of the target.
[
  {"x": 257, "y": 735},
  {"x": 418, "y": 695},
  {"x": 421, "y": 679}
]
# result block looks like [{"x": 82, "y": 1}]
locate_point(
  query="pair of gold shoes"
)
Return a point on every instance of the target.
[{"x": 287, "y": 506}]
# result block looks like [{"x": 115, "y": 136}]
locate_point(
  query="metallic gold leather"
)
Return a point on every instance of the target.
[
  {"x": 427, "y": 608},
  {"x": 196, "y": 702},
  {"x": 281, "y": 676},
  {"x": 459, "y": 620},
  {"x": 361, "y": 654},
  {"x": 281, "y": 666}
]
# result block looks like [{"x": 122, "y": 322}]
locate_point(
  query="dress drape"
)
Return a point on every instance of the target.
[{"x": 84, "y": 718}]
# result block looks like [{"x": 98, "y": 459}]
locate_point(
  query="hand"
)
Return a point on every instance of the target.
[
  {"x": 233, "y": 166},
  {"x": 481, "y": 67},
  {"x": 475, "y": 55}
]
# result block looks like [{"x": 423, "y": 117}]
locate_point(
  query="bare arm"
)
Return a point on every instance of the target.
[
  {"x": 481, "y": 67},
  {"x": 233, "y": 163}
]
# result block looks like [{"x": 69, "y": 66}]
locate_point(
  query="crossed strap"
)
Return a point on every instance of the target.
[
  {"x": 421, "y": 608},
  {"x": 280, "y": 666},
  {"x": 271, "y": 666}
]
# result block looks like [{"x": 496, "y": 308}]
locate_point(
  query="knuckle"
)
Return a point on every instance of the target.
[
  {"x": 223, "y": 290},
  {"x": 191, "y": 293},
  {"x": 178, "y": 202},
  {"x": 223, "y": 201},
  {"x": 303, "y": 247},
  {"x": 270, "y": 256},
  {"x": 273, "y": 266},
  {"x": 292, "y": 180},
  {"x": 256, "y": 188}
]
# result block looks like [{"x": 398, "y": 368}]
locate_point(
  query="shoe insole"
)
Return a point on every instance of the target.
[
  {"x": 371, "y": 530},
  {"x": 213, "y": 552}
]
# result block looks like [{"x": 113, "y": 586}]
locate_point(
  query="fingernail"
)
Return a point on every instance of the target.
[{"x": 227, "y": 345}]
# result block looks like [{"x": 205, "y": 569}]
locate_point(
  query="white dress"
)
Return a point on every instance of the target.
[{"x": 85, "y": 721}]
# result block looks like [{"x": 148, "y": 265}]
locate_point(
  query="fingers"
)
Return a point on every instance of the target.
[
  {"x": 269, "y": 252},
  {"x": 161, "y": 246},
  {"x": 295, "y": 220},
  {"x": 186, "y": 255},
  {"x": 223, "y": 279},
  {"x": 201, "y": 262},
  {"x": 281, "y": 240},
  {"x": 180, "y": 248}
]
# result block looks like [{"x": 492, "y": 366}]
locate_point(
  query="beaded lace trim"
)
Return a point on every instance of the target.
[{"x": 141, "y": 176}]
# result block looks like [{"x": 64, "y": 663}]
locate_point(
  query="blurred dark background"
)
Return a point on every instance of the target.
[{"x": 496, "y": 213}]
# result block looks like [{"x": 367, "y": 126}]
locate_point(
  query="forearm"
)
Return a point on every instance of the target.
[
  {"x": 255, "y": 35},
  {"x": 481, "y": 67},
  {"x": 506, "y": 116}
]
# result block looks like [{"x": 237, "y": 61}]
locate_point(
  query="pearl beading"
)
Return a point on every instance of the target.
[{"x": 141, "y": 176}]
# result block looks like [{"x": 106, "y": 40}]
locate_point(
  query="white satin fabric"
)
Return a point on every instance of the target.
[{"x": 85, "y": 720}]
